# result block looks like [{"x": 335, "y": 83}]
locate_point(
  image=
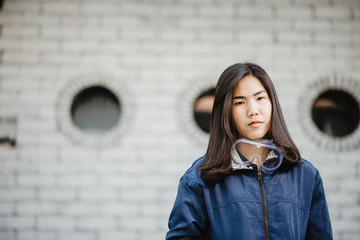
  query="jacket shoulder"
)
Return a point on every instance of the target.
[
  {"x": 310, "y": 170},
  {"x": 192, "y": 178}
]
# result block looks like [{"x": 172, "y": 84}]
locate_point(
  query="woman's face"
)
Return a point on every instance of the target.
[{"x": 251, "y": 108}]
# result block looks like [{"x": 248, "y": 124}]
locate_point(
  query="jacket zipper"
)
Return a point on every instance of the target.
[{"x": 264, "y": 205}]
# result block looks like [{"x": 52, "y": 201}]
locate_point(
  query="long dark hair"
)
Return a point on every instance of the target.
[{"x": 217, "y": 162}]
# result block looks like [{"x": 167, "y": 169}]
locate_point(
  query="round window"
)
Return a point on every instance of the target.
[
  {"x": 336, "y": 113},
  {"x": 203, "y": 108},
  {"x": 90, "y": 112},
  {"x": 329, "y": 110},
  {"x": 95, "y": 108},
  {"x": 195, "y": 108}
]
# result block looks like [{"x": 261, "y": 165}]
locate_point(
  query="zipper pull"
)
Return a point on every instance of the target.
[{"x": 259, "y": 175}]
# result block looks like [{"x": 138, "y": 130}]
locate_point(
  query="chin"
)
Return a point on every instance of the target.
[{"x": 256, "y": 137}]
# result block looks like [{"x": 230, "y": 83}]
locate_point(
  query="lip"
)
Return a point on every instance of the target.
[{"x": 255, "y": 124}]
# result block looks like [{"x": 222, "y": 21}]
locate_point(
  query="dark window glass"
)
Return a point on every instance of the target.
[
  {"x": 203, "y": 108},
  {"x": 336, "y": 113},
  {"x": 95, "y": 108}
]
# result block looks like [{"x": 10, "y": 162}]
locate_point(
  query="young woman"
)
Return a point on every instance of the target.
[{"x": 252, "y": 182}]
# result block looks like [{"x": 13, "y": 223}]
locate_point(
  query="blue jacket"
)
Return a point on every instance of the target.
[{"x": 234, "y": 208}]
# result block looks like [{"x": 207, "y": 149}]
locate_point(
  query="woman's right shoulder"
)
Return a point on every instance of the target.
[{"x": 192, "y": 178}]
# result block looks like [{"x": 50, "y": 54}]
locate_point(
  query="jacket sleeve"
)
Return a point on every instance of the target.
[
  {"x": 188, "y": 217},
  {"x": 319, "y": 226}
]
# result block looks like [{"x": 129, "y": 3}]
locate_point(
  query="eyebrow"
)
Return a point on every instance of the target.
[{"x": 242, "y": 97}]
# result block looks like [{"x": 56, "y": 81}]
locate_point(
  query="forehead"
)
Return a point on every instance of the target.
[{"x": 248, "y": 85}]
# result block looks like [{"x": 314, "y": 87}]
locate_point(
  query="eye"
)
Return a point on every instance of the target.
[
  {"x": 260, "y": 98},
  {"x": 239, "y": 103}
]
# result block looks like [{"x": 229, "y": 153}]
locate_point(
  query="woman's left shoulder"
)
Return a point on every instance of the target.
[{"x": 307, "y": 168}]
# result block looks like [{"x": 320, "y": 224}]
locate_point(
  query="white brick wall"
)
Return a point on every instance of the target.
[{"x": 53, "y": 189}]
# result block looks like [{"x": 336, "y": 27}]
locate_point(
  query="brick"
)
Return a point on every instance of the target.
[
  {"x": 196, "y": 23},
  {"x": 337, "y": 38},
  {"x": 77, "y": 235},
  {"x": 254, "y": 12},
  {"x": 129, "y": 208},
  {"x": 103, "y": 33},
  {"x": 145, "y": 9},
  {"x": 39, "y": 20},
  {"x": 331, "y": 12},
  {"x": 139, "y": 223},
  {"x": 340, "y": 200},
  {"x": 31, "y": 208},
  {"x": 153, "y": 210},
  {"x": 222, "y": 10},
  {"x": 9, "y": 70},
  {"x": 16, "y": 84},
  {"x": 121, "y": 21},
  {"x": 153, "y": 235},
  {"x": 10, "y": 43},
  {"x": 176, "y": 35},
  {"x": 351, "y": 213},
  {"x": 118, "y": 234},
  {"x": 18, "y": 30},
  {"x": 58, "y": 7},
  {"x": 14, "y": 194},
  {"x": 9, "y": 97},
  {"x": 142, "y": 194},
  {"x": 59, "y": 32},
  {"x": 9, "y": 223},
  {"x": 302, "y": 37},
  {"x": 20, "y": 18},
  {"x": 7, "y": 180},
  {"x": 106, "y": 8},
  {"x": 39, "y": 44},
  {"x": 98, "y": 195},
  {"x": 169, "y": 10},
  {"x": 64, "y": 59},
  {"x": 356, "y": 12},
  {"x": 80, "y": 209},
  {"x": 38, "y": 71},
  {"x": 56, "y": 223},
  {"x": 131, "y": 34},
  {"x": 254, "y": 36},
  {"x": 31, "y": 5},
  {"x": 300, "y": 13},
  {"x": 73, "y": 19},
  {"x": 7, "y": 235},
  {"x": 21, "y": 57},
  {"x": 210, "y": 36},
  {"x": 80, "y": 45},
  {"x": 6, "y": 209},
  {"x": 74, "y": 154},
  {"x": 317, "y": 25},
  {"x": 77, "y": 181},
  {"x": 96, "y": 223},
  {"x": 345, "y": 226},
  {"x": 39, "y": 235},
  {"x": 57, "y": 195}
]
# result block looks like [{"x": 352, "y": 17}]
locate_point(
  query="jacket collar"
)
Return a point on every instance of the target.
[{"x": 272, "y": 163}]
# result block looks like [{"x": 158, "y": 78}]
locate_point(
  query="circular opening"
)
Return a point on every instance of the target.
[
  {"x": 336, "y": 113},
  {"x": 202, "y": 109},
  {"x": 95, "y": 108}
]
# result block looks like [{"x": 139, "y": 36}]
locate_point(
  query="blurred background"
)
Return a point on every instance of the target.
[{"x": 105, "y": 104}]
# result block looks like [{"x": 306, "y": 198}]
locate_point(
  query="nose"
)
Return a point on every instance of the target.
[{"x": 253, "y": 109}]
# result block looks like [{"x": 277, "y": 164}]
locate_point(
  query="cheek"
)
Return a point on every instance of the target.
[
  {"x": 268, "y": 110},
  {"x": 269, "y": 117},
  {"x": 236, "y": 114},
  {"x": 237, "y": 117}
]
